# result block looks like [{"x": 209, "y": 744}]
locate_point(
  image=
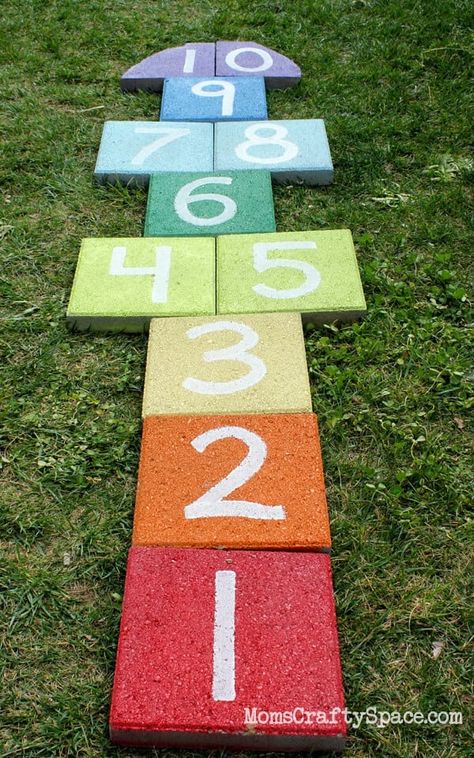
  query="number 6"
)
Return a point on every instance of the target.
[{"x": 184, "y": 199}]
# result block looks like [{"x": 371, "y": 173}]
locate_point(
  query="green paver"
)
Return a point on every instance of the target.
[
  {"x": 315, "y": 273},
  {"x": 174, "y": 207},
  {"x": 121, "y": 283},
  {"x": 244, "y": 364}
]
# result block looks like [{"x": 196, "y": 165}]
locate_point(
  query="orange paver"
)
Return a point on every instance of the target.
[{"x": 239, "y": 481}]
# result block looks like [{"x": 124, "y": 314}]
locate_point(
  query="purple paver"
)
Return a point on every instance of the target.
[
  {"x": 193, "y": 59},
  {"x": 251, "y": 59}
]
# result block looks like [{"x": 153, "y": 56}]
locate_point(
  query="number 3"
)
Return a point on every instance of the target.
[{"x": 237, "y": 352}]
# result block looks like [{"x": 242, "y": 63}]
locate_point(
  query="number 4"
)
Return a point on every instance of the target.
[{"x": 160, "y": 271}]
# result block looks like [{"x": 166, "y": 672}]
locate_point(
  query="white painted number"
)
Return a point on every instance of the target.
[
  {"x": 226, "y": 90},
  {"x": 169, "y": 134},
  {"x": 262, "y": 263},
  {"x": 237, "y": 352},
  {"x": 223, "y": 658},
  {"x": 264, "y": 55},
  {"x": 213, "y": 503},
  {"x": 160, "y": 271},
  {"x": 184, "y": 199},
  {"x": 255, "y": 139},
  {"x": 189, "y": 61}
]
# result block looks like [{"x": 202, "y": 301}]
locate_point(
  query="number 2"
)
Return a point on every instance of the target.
[{"x": 213, "y": 502}]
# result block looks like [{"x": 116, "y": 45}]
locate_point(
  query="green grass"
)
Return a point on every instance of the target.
[{"x": 391, "y": 80}]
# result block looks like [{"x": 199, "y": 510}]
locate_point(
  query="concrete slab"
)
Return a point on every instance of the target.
[
  {"x": 212, "y": 642},
  {"x": 121, "y": 283},
  {"x": 251, "y": 59},
  {"x": 194, "y": 203},
  {"x": 130, "y": 151},
  {"x": 246, "y": 481},
  {"x": 192, "y": 59},
  {"x": 239, "y": 98},
  {"x": 315, "y": 273},
  {"x": 293, "y": 150},
  {"x": 226, "y": 365}
]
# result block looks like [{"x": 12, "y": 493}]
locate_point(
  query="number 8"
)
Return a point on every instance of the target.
[{"x": 290, "y": 150}]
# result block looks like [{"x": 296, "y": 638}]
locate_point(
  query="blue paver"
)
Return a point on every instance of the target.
[{"x": 214, "y": 99}]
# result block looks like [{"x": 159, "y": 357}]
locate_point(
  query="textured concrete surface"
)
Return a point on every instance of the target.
[
  {"x": 238, "y": 98},
  {"x": 251, "y": 59},
  {"x": 315, "y": 273},
  {"x": 183, "y": 459},
  {"x": 192, "y": 59},
  {"x": 243, "y": 364},
  {"x": 132, "y": 150},
  {"x": 293, "y": 150},
  {"x": 236, "y": 202},
  {"x": 206, "y": 634},
  {"x": 120, "y": 283}
]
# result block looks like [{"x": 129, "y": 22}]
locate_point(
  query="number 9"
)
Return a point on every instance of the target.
[{"x": 226, "y": 91}]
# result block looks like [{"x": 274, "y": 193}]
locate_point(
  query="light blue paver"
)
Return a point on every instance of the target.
[
  {"x": 293, "y": 150},
  {"x": 130, "y": 151}
]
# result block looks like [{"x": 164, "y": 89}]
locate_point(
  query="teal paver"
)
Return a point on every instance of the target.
[
  {"x": 130, "y": 151},
  {"x": 196, "y": 204},
  {"x": 314, "y": 273},
  {"x": 121, "y": 283},
  {"x": 292, "y": 150},
  {"x": 237, "y": 98}
]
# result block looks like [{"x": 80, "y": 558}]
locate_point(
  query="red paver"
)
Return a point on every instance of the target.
[
  {"x": 244, "y": 481},
  {"x": 207, "y": 634}
]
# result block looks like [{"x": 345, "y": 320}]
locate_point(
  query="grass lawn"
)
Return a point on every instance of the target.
[{"x": 392, "y": 393}]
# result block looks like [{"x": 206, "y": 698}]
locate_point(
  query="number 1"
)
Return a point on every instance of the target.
[{"x": 223, "y": 673}]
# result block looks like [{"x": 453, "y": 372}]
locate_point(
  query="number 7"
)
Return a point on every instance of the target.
[{"x": 169, "y": 134}]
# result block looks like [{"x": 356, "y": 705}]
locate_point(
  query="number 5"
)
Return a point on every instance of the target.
[{"x": 262, "y": 263}]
